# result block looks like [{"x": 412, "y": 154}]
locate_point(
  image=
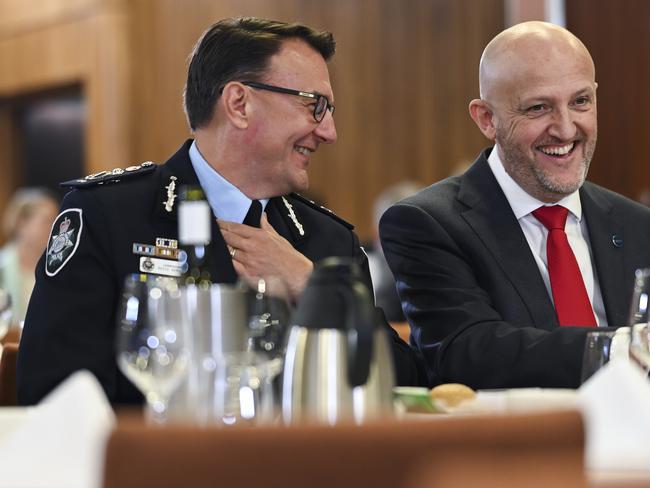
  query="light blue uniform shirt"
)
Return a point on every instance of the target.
[{"x": 226, "y": 200}]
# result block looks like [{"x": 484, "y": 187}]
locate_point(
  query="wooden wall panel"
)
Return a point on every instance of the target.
[
  {"x": 20, "y": 16},
  {"x": 7, "y": 151},
  {"x": 403, "y": 76},
  {"x": 48, "y": 44},
  {"x": 108, "y": 83},
  {"x": 617, "y": 35}
]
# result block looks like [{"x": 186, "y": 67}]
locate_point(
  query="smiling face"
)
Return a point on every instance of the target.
[
  {"x": 282, "y": 134},
  {"x": 539, "y": 97}
]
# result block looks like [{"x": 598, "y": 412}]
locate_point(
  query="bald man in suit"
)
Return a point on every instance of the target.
[{"x": 470, "y": 254}]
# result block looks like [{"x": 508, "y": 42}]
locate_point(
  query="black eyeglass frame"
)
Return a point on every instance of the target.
[{"x": 289, "y": 91}]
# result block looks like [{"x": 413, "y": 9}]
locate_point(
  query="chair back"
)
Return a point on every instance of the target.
[
  {"x": 537, "y": 448},
  {"x": 8, "y": 360}
]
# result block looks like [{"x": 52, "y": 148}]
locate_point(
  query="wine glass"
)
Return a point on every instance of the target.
[
  {"x": 638, "y": 320},
  {"x": 640, "y": 346},
  {"x": 268, "y": 315},
  {"x": 640, "y": 297},
  {"x": 151, "y": 344},
  {"x": 268, "y": 310},
  {"x": 598, "y": 346}
]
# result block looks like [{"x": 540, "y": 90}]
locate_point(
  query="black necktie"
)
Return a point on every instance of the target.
[{"x": 254, "y": 214}]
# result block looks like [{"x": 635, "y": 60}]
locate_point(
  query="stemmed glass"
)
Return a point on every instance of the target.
[
  {"x": 638, "y": 320},
  {"x": 640, "y": 346},
  {"x": 268, "y": 313},
  {"x": 252, "y": 376},
  {"x": 151, "y": 343},
  {"x": 268, "y": 316}
]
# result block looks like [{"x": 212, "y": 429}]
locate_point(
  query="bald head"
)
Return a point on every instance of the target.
[
  {"x": 538, "y": 105},
  {"x": 519, "y": 51}
]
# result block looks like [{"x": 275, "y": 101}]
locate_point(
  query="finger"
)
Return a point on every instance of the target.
[
  {"x": 239, "y": 229},
  {"x": 235, "y": 241},
  {"x": 223, "y": 225},
  {"x": 239, "y": 268},
  {"x": 264, "y": 224}
]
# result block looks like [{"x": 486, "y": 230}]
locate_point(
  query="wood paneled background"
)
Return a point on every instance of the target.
[
  {"x": 618, "y": 36},
  {"x": 403, "y": 76}
]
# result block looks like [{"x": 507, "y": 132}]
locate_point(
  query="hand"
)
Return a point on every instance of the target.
[{"x": 264, "y": 252}]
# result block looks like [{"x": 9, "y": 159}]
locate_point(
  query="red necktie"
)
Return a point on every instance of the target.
[{"x": 569, "y": 293}]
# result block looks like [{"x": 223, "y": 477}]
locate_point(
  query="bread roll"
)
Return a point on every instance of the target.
[{"x": 450, "y": 395}]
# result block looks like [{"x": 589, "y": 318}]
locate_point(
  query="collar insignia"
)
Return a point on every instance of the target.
[
  {"x": 171, "y": 196},
  {"x": 292, "y": 216}
]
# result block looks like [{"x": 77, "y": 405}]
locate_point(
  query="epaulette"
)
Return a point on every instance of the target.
[
  {"x": 321, "y": 209},
  {"x": 110, "y": 176}
]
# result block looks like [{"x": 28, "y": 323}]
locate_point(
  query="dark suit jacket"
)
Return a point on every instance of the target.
[
  {"x": 472, "y": 292},
  {"x": 71, "y": 323}
]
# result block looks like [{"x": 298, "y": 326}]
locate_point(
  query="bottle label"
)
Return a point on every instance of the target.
[{"x": 194, "y": 219}]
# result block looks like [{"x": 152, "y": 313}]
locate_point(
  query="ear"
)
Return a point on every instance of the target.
[
  {"x": 235, "y": 101},
  {"x": 483, "y": 117}
]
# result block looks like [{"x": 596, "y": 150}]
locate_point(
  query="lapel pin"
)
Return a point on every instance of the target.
[{"x": 171, "y": 196}]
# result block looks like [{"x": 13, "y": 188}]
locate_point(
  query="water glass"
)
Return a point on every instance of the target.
[
  {"x": 640, "y": 346},
  {"x": 242, "y": 390},
  {"x": 640, "y": 297},
  {"x": 596, "y": 353}
]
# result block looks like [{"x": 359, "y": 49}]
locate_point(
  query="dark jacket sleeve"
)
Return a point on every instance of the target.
[
  {"x": 409, "y": 365},
  {"x": 453, "y": 318},
  {"x": 70, "y": 319}
]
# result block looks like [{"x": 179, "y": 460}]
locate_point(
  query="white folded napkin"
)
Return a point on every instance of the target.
[
  {"x": 61, "y": 443},
  {"x": 615, "y": 403}
]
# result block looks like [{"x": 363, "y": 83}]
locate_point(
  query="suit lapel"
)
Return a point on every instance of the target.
[
  {"x": 490, "y": 216},
  {"x": 603, "y": 224},
  {"x": 178, "y": 169}
]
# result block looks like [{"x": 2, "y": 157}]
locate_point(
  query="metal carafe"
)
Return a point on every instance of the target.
[{"x": 338, "y": 365}]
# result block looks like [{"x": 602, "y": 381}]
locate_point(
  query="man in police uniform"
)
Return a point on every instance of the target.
[{"x": 259, "y": 101}]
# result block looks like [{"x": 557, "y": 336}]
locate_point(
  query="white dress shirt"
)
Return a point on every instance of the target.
[
  {"x": 226, "y": 200},
  {"x": 523, "y": 205}
]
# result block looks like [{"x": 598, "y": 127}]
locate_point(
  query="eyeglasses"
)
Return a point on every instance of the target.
[{"x": 321, "y": 106}]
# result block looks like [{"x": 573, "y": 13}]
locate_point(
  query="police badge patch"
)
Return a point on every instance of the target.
[{"x": 64, "y": 240}]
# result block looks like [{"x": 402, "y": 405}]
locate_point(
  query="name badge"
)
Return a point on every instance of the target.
[{"x": 163, "y": 267}]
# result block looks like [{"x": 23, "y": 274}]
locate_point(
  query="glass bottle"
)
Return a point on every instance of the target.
[{"x": 194, "y": 235}]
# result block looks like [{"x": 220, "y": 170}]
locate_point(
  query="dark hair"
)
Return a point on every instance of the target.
[{"x": 239, "y": 49}]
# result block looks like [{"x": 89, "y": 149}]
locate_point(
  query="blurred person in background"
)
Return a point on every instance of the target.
[
  {"x": 382, "y": 278},
  {"x": 26, "y": 224}
]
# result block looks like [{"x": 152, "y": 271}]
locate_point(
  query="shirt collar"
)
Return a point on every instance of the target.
[
  {"x": 226, "y": 200},
  {"x": 520, "y": 201}
]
